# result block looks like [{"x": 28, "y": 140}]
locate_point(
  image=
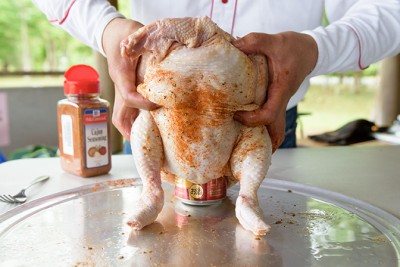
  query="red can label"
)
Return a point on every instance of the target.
[{"x": 200, "y": 194}]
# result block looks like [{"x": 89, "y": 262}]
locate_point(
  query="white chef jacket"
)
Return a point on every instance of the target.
[{"x": 360, "y": 32}]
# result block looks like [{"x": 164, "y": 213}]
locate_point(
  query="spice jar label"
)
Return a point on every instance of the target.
[
  {"x": 67, "y": 135},
  {"x": 96, "y": 137}
]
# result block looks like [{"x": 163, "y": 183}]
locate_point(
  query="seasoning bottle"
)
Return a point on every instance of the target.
[{"x": 83, "y": 124}]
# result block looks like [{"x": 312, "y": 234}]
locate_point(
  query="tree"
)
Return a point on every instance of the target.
[
  {"x": 30, "y": 42},
  {"x": 9, "y": 39}
]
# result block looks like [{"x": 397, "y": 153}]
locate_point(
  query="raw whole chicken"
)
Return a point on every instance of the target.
[{"x": 199, "y": 79}]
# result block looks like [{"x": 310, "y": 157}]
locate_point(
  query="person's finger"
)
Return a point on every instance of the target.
[
  {"x": 250, "y": 43},
  {"x": 123, "y": 117},
  {"x": 136, "y": 100},
  {"x": 267, "y": 113},
  {"x": 125, "y": 124},
  {"x": 276, "y": 128},
  {"x": 128, "y": 121},
  {"x": 254, "y": 118},
  {"x": 277, "y": 136},
  {"x": 119, "y": 122}
]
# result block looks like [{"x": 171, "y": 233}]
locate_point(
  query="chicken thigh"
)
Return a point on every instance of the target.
[{"x": 199, "y": 79}]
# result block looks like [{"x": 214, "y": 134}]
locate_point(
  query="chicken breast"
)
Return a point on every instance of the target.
[{"x": 199, "y": 79}]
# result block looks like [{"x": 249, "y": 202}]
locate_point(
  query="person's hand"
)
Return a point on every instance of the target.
[
  {"x": 291, "y": 57},
  {"x": 123, "y": 73}
]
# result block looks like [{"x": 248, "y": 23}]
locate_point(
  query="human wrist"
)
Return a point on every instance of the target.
[
  {"x": 320, "y": 55},
  {"x": 311, "y": 52}
]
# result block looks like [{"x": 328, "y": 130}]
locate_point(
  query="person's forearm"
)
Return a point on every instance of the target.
[
  {"x": 83, "y": 19},
  {"x": 117, "y": 30},
  {"x": 367, "y": 33}
]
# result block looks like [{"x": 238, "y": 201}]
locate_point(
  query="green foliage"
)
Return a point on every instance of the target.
[
  {"x": 372, "y": 70},
  {"x": 30, "y": 42},
  {"x": 10, "y": 30}
]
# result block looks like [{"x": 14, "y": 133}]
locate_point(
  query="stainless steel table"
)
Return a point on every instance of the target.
[{"x": 322, "y": 203}]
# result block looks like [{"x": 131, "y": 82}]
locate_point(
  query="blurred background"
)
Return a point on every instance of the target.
[{"x": 34, "y": 55}]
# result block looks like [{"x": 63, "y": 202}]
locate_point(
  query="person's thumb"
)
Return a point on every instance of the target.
[{"x": 251, "y": 43}]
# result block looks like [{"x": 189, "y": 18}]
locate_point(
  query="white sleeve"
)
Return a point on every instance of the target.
[
  {"x": 83, "y": 19},
  {"x": 368, "y": 32}
]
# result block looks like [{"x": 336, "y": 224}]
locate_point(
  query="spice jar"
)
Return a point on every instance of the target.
[{"x": 83, "y": 124}]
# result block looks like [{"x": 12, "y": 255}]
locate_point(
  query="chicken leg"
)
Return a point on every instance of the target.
[{"x": 148, "y": 154}]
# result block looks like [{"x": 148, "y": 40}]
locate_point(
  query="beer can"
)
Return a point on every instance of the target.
[{"x": 208, "y": 193}]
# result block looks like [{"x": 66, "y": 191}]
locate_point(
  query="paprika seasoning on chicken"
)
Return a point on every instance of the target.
[{"x": 83, "y": 124}]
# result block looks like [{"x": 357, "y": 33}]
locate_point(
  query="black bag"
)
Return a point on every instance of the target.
[{"x": 353, "y": 132}]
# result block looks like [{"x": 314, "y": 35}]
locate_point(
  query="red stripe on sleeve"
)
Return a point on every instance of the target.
[
  {"x": 359, "y": 49},
  {"x": 61, "y": 21}
]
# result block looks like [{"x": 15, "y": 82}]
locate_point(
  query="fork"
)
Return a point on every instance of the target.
[{"x": 21, "y": 196}]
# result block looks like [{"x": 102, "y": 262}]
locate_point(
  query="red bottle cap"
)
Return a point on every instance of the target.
[{"x": 81, "y": 79}]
